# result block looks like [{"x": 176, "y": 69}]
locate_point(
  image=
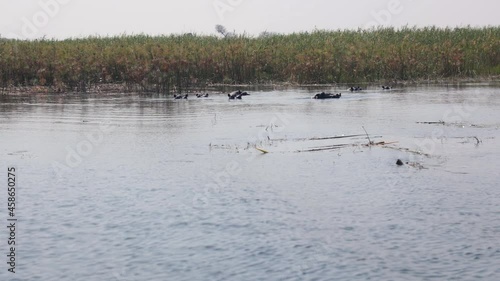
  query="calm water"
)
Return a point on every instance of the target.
[{"x": 129, "y": 187}]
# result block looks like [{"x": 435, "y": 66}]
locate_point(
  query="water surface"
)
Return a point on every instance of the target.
[{"x": 144, "y": 187}]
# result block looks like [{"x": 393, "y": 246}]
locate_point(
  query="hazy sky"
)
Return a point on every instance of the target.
[{"x": 76, "y": 18}]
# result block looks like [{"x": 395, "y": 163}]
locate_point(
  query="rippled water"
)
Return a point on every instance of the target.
[{"x": 137, "y": 187}]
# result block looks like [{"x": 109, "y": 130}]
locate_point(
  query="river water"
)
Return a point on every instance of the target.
[{"x": 142, "y": 187}]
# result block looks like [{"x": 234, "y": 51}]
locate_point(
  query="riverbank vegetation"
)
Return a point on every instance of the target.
[{"x": 177, "y": 62}]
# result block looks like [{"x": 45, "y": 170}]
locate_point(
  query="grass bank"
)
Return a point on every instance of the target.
[{"x": 177, "y": 62}]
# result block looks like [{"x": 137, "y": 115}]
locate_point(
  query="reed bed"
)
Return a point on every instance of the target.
[{"x": 178, "y": 62}]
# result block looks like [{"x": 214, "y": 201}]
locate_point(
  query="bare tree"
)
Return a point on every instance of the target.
[{"x": 221, "y": 29}]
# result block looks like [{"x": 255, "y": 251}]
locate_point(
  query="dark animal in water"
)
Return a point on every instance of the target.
[
  {"x": 202, "y": 95},
  {"x": 237, "y": 95},
  {"x": 386, "y": 87},
  {"x": 233, "y": 95},
  {"x": 324, "y": 95},
  {"x": 355, "y": 89},
  {"x": 178, "y": 97}
]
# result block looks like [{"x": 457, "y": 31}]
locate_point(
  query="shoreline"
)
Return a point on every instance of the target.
[
  {"x": 323, "y": 58},
  {"x": 104, "y": 89}
]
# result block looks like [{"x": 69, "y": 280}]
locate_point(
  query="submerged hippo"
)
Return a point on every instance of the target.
[
  {"x": 237, "y": 95},
  {"x": 324, "y": 95},
  {"x": 386, "y": 87},
  {"x": 355, "y": 89},
  {"x": 178, "y": 97},
  {"x": 202, "y": 95},
  {"x": 233, "y": 95}
]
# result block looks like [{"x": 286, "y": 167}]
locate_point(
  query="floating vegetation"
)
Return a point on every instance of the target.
[
  {"x": 320, "y": 138},
  {"x": 262, "y": 150},
  {"x": 355, "y": 143},
  {"x": 433, "y": 123},
  {"x": 339, "y": 146},
  {"x": 458, "y": 124},
  {"x": 403, "y": 149},
  {"x": 474, "y": 139}
]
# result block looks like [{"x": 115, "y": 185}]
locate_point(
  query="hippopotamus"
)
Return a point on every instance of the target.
[
  {"x": 355, "y": 89},
  {"x": 386, "y": 87},
  {"x": 324, "y": 95},
  {"x": 202, "y": 95},
  {"x": 178, "y": 97},
  {"x": 237, "y": 95},
  {"x": 233, "y": 95}
]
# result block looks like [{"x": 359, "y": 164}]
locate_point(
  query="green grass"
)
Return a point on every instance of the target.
[{"x": 178, "y": 62}]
